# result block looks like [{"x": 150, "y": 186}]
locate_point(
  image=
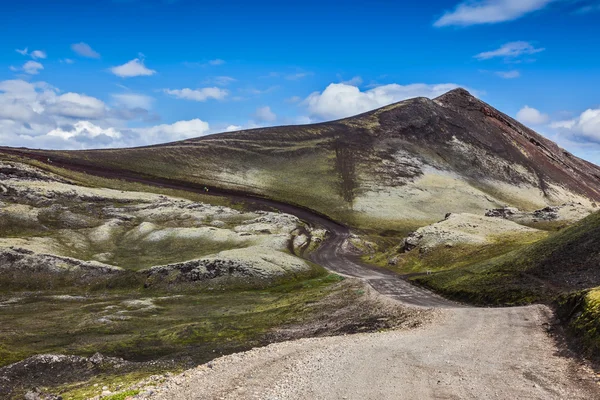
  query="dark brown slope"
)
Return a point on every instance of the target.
[
  {"x": 514, "y": 141},
  {"x": 411, "y": 161},
  {"x": 431, "y": 124}
]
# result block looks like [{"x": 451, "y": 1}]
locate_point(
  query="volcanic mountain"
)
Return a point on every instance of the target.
[{"x": 402, "y": 165}]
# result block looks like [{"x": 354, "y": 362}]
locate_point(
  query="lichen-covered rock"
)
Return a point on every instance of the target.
[
  {"x": 17, "y": 259},
  {"x": 251, "y": 263}
]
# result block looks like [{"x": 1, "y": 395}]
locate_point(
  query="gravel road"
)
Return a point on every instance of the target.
[{"x": 465, "y": 353}]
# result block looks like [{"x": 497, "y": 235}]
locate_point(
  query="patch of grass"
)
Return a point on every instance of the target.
[
  {"x": 122, "y": 395},
  {"x": 140, "y": 254},
  {"x": 93, "y": 387},
  {"x": 563, "y": 262},
  {"x": 94, "y": 181},
  {"x": 580, "y": 312},
  {"x": 145, "y": 325}
]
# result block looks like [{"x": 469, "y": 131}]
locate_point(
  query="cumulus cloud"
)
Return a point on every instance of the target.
[
  {"x": 508, "y": 74},
  {"x": 233, "y": 128},
  {"x": 36, "y": 114},
  {"x": 179, "y": 130},
  {"x": 340, "y": 100},
  {"x": 75, "y": 105},
  {"x": 85, "y": 131},
  {"x": 23, "y": 52},
  {"x": 132, "y": 68},
  {"x": 510, "y": 50},
  {"x": 474, "y": 12},
  {"x": 202, "y": 94},
  {"x": 84, "y": 50},
  {"x": 531, "y": 116},
  {"x": 32, "y": 67},
  {"x": 584, "y": 127},
  {"x": 264, "y": 114}
]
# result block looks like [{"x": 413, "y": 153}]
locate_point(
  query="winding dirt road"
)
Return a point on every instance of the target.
[{"x": 466, "y": 353}]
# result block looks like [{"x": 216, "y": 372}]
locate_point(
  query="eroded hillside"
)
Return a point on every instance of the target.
[{"x": 404, "y": 165}]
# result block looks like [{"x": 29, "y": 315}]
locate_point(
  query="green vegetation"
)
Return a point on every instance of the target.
[
  {"x": 122, "y": 395},
  {"x": 151, "y": 325},
  {"x": 581, "y": 314},
  {"x": 565, "y": 261},
  {"x": 88, "y": 180},
  {"x": 115, "y": 382}
]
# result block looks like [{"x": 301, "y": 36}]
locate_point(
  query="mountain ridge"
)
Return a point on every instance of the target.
[{"x": 397, "y": 167}]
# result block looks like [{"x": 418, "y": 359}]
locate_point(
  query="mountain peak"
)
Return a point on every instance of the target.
[{"x": 458, "y": 97}]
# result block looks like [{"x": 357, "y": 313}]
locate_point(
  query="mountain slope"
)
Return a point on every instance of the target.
[
  {"x": 397, "y": 167},
  {"x": 564, "y": 262}
]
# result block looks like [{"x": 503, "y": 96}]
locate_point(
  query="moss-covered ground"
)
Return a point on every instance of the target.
[
  {"x": 580, "y": 312},
  {"x": 144, "y": 325},
  {"x": 563, "y": 262}
]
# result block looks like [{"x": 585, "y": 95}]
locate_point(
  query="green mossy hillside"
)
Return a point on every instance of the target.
[{"x": 566, "y": 261}]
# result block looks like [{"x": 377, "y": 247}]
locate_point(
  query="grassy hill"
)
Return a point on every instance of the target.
[{"x": 395, "y": 168}]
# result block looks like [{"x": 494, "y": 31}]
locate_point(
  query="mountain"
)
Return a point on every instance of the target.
[{"x": 397, "y": 167}]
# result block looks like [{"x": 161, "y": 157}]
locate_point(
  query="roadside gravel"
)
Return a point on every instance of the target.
[{"x": 467, "y": 353}]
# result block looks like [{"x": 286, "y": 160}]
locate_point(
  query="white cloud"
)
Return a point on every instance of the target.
[
  {"x": 132, "y": 68},
  {"x": 202, "y": 94},
  {"x": 217, "y": 61},
  {"x": 304, "y": 120},
  {"x": 38, "y": 54},
  {"x": 84, "y": 50},
  {"x": 473, "y": 12},
  {"x": 35, "y": 114},
  {"x": 339, "y": 100},
  {"x": 85, "y": 131},
  {"x": 264, "y": 114},
  {"x": 508, "y": 74},
  {"x": 75, "y": 105},
  {"x": 233, "y": 128},
  {"x": 67, "y": 61},
  {"x": 531, "y": 116},
  {"x": 510, "y": 50},
  {"x": 32, "y": 67},
  {"x": 178, "y": 131},
  {"x": 585, "y": 126},
  {"x": 132, "y": 100}
]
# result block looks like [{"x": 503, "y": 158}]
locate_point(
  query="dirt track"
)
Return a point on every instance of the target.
[
  {"x": 470, "y": 354},
  {"x": 474, "y": 353}
]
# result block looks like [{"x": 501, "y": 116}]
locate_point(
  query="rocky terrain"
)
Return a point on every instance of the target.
[
  {"x": 122, "y": 251},
  {"x": 54, "y": 226},
  {"x": 399, "y": 167},
  {"x": 562, "y": 214},
  {"x": 461, "y": 229}
]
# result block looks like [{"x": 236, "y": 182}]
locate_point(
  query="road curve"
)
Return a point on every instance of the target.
[
  {"x": 330, "y": 254},
  {"x": 466, "y": 353}
]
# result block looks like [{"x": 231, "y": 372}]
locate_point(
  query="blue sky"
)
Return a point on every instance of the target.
[{"x": 80, "y": 74}]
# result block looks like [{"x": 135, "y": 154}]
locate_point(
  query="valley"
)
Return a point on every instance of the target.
[{"x": 401, "y": 222}]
